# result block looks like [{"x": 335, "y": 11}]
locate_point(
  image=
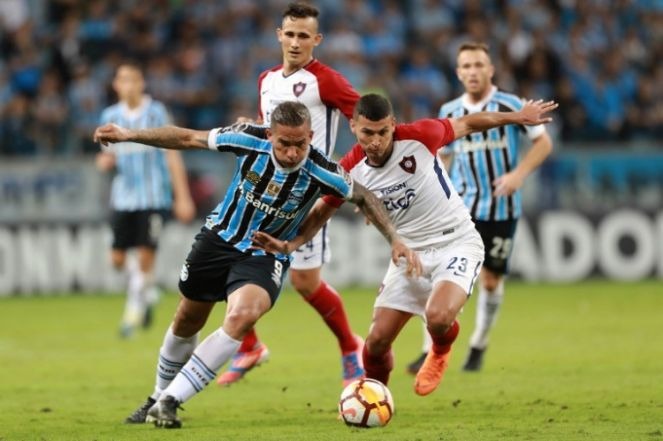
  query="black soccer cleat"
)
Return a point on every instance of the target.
[
  {"x": 140, "y": 414},
  {"x": 164, "y": 413},
  {"x": 148, "y": 317},
  {"x": 474, "y": 360},
  {"x": 414, "y": 367}
]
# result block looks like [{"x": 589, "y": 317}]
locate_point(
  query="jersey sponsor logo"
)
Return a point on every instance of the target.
[
  {"x": 392, "y": 188},
  {"x": 255, "y": 201},
  {"x": 273, "y": 189},
  {"x": 298, "y": 88},
  {"x": 253, "y": 177},
  {"x": 401, "y": 203},
  {"x": 483, "y": 144},
  {"x": 408, "y": 164}
]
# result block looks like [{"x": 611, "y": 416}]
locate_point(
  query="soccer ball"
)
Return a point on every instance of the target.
[{"x": 366, "y": 403}]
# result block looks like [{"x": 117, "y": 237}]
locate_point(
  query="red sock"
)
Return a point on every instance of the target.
[
  {"x": 378, "y": 367},
  {"x": 249, "y": 341},
  {"x": 442, "y": 343},
  {"x": 328, "y": 303}
]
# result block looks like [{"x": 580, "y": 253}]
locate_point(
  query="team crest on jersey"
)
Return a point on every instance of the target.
[
  {"x": 273, "y": 189},
  {"x": 296, "y": 197},
  {"x": 253, "y": 177},
  {"x": 408, "y": 164},
  {"x": 298, "y": 88}
]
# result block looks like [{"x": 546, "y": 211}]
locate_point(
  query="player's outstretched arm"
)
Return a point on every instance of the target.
[
  {"x": 375, "y": 212},
  {"x": 531, "y": 114},
  {"x": 167, "y": 137}
]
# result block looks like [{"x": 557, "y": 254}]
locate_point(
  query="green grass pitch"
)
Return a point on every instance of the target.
[{"x": 566, "y": 362}]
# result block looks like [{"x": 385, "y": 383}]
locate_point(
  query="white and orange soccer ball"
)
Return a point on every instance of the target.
[{"x": 366, "y": 403}]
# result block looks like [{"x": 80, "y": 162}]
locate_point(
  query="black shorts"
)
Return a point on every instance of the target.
[
  {"x": 214, "y": 269},
  {"x": 139, "y": 228},
  {"x": 497, "y": 239}
]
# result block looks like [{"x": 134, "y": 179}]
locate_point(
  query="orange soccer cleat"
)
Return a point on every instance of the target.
[{"x": 431, "y": 372}]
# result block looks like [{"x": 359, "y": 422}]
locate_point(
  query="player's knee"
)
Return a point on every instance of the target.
[
  {"x": 242, "y": 318},
  {"x": 377, "y": 344},
  {"x": 187, "y": 324},
  {"x": 117, "y": 260},
  {"x": 490, "y": 280},
  {"x": 439, "y": 319},
  {"x": 305, "y": 282}
]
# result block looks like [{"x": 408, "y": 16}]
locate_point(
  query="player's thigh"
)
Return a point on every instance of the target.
[
  {"x": 497, "y": 238},
  {"x": 458, "y": 261},
  {"x": 403, "y": 293},
  {"x": 314, "y": 253},
  {"x": 265, "y": 272},
  {"x": 124, "y": 231},
  {"x": 387, "y": 323},
  {"x": 204, "y": 274},
  {"x": 149, "y": 225},
  {"x": 190, "y": 316}
]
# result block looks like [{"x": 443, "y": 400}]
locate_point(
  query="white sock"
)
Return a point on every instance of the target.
[
  {"x": 428, "y": 340},
  {"x": 174, "y": 352},
  {"x": 134, "y": 308},
  {"x": 488, "y": 304},
  {"x": 203, "y": 365}
]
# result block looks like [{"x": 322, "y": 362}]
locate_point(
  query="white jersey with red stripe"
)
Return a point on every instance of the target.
[
  {"x": 414, "y": 187},
  {"x": 324, "y": 91}
]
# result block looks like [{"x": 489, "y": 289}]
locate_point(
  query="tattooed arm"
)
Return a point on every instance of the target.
[
  {"x": 372, "y": 208},
  {"x": 167, "y": 137}
]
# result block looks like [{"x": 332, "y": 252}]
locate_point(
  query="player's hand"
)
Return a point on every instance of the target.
[
  {"x": 184, "y": 209},
  {"x": 105, "y": 161},
  {"x": 269, "y": 244},
  {"x": 507, "y": 184},
  {"x": 398, "y": 250},
  {"x": 532, "y": 113},
  {"x": 110, "y": 133}
]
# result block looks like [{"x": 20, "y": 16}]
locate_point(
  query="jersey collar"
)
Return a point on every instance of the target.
[{"x": 477, "y": 107}]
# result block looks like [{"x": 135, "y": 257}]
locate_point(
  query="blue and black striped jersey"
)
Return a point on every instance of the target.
[
  {"x": 479, "y": 158},
  {"x": 263, "y": 196},
  {"x": 142, "y": 181}
]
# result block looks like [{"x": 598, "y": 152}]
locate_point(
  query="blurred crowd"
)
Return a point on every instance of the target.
[{"x": 598, "y": 58}]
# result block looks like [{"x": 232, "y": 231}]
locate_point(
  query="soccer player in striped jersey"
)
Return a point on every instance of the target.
[
  {"x": 399, "y": 164},
  {"x": 147, "y": 186},
  {"x": 328, "y": 95},
  {"x": 278, "y": 177},
  {"x": 488, "y": 175}
]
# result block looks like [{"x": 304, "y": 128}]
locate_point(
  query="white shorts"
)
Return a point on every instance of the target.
[
  {"x": 312, "y": 254},
  {"x": 457, "y": 259}
]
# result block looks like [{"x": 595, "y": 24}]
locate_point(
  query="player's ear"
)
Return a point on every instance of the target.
[
  {"x": 279, "y": 33},
  {"x": 268, "y": 132},
  {"x": 317, "y": 39}
]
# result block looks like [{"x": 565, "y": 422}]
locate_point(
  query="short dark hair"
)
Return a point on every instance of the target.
[
  {"x": 474, "y": 46},
  {"x": 290, "y": 114},
  {"x": 300, "y": 10},
  {"x": 373, "y": 107}
]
